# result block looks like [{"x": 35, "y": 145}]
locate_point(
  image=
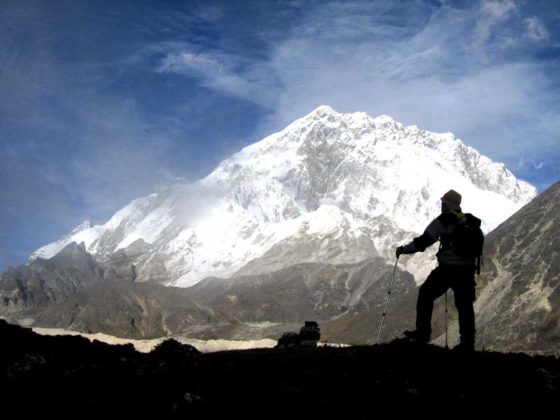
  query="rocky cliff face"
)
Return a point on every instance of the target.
[
  {"x": 519, "y": 303},
  {"x": 46, "y": 282},
  {"x": 242, "y": 308}
]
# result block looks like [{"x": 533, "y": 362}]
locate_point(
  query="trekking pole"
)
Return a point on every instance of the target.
[
  {"x": 446, "y": 346},
  {"x": 387, "y": 300}
]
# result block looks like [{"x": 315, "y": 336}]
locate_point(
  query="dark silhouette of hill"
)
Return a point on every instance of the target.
[{"x": 70, "y": 375}]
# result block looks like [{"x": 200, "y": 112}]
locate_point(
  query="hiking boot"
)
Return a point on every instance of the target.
[
  {"x": 464, "y": 348},
  {"x": 416, "y": 337}
]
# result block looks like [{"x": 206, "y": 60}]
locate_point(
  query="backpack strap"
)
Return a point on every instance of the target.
[
  {"x": 479, "y": 261},
  {"x": 470, "y": 220},
  {"x": 475, "y": 221}
]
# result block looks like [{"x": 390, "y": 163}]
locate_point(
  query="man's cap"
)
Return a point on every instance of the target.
[{"x": 452, "y": 198}]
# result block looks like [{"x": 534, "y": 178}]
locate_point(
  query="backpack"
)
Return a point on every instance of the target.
[
  {"x": 309, "y": 334},
  {"x": 308, "y": 337},
  {"x": 467, "y": 240}
]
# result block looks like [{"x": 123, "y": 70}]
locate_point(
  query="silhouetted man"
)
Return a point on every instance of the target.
[{"x": 454, "y": 270}]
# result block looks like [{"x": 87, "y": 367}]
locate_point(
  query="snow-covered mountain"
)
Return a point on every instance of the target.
[{"x": 330, "y": 187}]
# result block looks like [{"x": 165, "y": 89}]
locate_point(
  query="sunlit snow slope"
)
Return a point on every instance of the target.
[{"x": 330, "y": 187}]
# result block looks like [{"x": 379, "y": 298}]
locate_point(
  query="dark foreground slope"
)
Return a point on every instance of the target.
[{"x": 67, "y": 376}]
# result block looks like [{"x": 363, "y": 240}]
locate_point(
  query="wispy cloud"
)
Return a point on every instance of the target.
[
  {"x": 120, "y": 157},
  {"x": 489, "y": 19},
  {"x": 224, "y": 73},
  {"x": 536, "y": 31},
  {"x": 69, "y": 147}
]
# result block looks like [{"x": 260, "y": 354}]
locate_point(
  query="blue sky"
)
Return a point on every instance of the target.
[{"x": 101, "y": 101}]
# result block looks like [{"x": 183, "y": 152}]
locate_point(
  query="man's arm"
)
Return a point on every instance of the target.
[{"x": 430, "y": 236}]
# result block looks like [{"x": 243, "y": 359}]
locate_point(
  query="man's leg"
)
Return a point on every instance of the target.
[
  {"x": 435, "y": 285},
  {"x": 463, "y": 286}
]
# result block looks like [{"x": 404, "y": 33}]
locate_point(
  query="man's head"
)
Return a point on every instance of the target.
[{"x": 451, "y": 200}]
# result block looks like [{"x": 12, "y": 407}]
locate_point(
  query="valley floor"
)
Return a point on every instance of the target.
[{"x": 146, "y": 346}]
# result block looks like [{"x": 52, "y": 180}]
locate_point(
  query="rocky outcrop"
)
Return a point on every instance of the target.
[
  {"x": 243, "y": 308},
  {"x": 519, "y": 301},
  {"x": 45, "y": 282}
]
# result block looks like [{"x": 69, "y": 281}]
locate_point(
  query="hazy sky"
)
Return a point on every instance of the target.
[{"x": 101, "y": 101}]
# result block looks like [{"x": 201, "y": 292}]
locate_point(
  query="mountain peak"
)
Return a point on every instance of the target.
[
  {"x": 323, "y": 110},
  {"x": 73, "y": 250},
  {"x": 357, "y": 120},
  {"x": 385, "y": 121}
]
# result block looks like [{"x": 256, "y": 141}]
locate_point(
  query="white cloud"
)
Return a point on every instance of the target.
[
  {"x": 185, "y": 62},
  {"x": 489, "y": 17},
  {"x": 224, "y": 73},
  {"x": 536, "y": 31}
]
